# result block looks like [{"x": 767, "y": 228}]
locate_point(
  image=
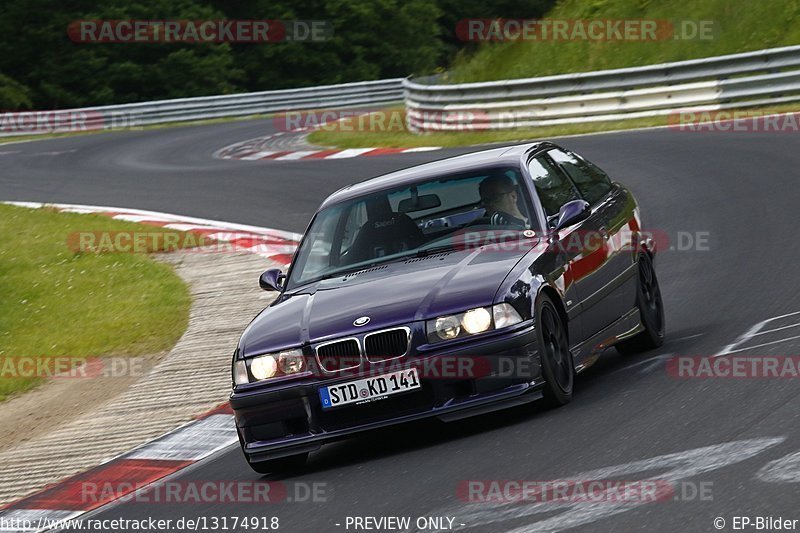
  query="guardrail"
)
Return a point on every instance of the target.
[
  {"x": 202, "y": 108},
  {"x": 748, "y": 79}
]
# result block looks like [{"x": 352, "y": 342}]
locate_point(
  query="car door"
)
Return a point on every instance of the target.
[
  {"x": 610, "y": 289},
  {"x": 566, "y": 264}
]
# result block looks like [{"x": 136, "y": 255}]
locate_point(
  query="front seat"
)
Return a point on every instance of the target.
[{"x": 392, "y": 233}]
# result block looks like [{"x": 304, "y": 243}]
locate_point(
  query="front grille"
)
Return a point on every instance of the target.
[
  {"x": 386, "y": 344},
  {"x": 339, "y": 355}
]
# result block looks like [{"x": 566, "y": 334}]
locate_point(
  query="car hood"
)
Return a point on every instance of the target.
[{"x": 390, "y": 294}]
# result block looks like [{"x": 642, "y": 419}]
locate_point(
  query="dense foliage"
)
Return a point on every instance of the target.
[{"x": 42, "y": 68}]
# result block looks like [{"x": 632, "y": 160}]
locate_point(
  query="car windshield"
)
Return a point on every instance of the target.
[{"x": 412, "y": 220}]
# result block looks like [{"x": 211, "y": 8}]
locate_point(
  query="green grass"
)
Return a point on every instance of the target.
[
  {"x": 55, "y": 301},
  {"x": 739, "y": 26},
  {"x": 402, "y": 138}
]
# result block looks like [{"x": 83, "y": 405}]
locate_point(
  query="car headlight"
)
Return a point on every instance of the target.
[
  {"x": 263, "y": 367},
  {"x": 268, "y": 366},
  {"x": 477, "y": 320},
  {"x": 471, "y": 322},
  {"x": 447, "y": 327},
  {"x": 291, "y": 362},
  {"x": 505, "y": 315},
  {"x": 240, "y": 376}
]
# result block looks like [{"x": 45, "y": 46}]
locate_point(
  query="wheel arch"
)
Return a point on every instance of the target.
[{"x": 555, "y": 297}]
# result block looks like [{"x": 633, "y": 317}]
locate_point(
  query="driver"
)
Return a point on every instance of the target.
[{"x": 499, "y": 196}]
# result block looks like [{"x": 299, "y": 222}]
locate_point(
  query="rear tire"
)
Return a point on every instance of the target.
[
  {"x": 557, "y": 365},
  {"x": 651, "y": 311},
  {"x": 284, "y": 465}
]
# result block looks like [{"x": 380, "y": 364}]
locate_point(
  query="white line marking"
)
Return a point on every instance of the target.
[
  {"x": 656, "y": 362},
  {"x": 783, "y": 470},
  {"x": 655, "y": 359},
  {"x": 296, "y": 155},
  {"x": 350, "y": 152},
  {"x": 230, "y": 226},
  {"x": 761, "y": 345},
  {"x": 34, "y": 205},
  {"x": 55, "y": 152},
  {"x": 185, "y": 227},
  {"x": 136, "y": 218},
  {"x": 80, "y": 210},
  {"x": 689, "y": 337},
  {"x": 227, "y": 235},
  {"x": 271, "y": 249},
  {"x": 776, "y": 329},
  {"x": 747, "y": 335},
  {"x": 258, "y": 155},
  {"x": 421, "y": 149},
  {"x": 682, "y": 465},
  {"x": 193, "y": 442}
]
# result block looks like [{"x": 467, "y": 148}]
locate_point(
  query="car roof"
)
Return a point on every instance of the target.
[{"x": 408, "y": 176}]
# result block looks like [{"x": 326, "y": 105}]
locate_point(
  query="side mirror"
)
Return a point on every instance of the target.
[
  {"x": 272, "y": 280},
  {"x": 571, "y": 213}
]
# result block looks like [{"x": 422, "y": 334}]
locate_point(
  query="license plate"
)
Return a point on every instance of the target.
[{"x": 369, "y": 389}]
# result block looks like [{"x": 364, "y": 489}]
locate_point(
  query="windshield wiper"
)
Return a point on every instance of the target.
[
  {"x": 423, "y": 252},
  {"x": 365, "y": 266},
  {"x": 344, "y": 272}
]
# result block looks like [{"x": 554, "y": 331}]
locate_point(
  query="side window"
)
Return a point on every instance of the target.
[
  {"x": 592, "y": 182},
  {"x": 553, "y": 188}
]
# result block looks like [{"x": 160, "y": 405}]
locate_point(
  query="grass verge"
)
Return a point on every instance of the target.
[
  {"x": 349, "y": 133},
  {"x": 736, "y": 26},
  {"x": 60, "y": 302}
]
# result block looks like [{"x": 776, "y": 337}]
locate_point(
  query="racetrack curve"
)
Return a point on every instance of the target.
[{"x": 740, "y": 188}]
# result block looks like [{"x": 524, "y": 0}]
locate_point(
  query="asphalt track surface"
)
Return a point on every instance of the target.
[{"x": 737, "y": 190}]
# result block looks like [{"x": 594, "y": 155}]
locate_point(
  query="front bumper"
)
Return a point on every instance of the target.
[{"x": 504, "y": 370}]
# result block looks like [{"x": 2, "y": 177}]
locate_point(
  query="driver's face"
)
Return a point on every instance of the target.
[{"x": 509, "y": 200}]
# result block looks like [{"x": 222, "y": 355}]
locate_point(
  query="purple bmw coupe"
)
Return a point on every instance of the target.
[{"x": 445, "y": 290}]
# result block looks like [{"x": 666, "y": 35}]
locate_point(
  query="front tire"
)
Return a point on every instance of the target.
[
  {"x": 557, "y": 365},
  {"x": 651, "y": 311}
]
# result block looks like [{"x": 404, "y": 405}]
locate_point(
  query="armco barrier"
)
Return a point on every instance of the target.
[
  {"x": 748, "y": 79},
  {"x": 202, "y": 108}
]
